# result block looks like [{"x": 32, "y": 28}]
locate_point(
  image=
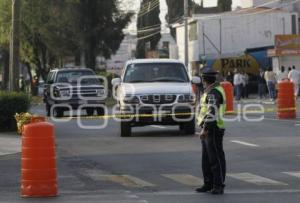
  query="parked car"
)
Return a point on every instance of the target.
[
  {"x": 159, "y": 87},
  {"x": 73, "y": 87}
]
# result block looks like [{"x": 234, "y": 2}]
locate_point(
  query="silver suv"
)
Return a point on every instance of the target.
[
  {"x": 156, "y": 91},
  {"x": 72, "y": 88}
]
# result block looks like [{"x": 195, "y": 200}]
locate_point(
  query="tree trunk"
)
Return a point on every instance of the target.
[
  {"x": 90, "y": 60},
  {"x": 32, "y": 85},
  {"x": 5, "y": 71}
]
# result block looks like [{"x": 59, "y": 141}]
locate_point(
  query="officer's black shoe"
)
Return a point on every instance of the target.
[
  {"x": 204, "y": 188},
  {"x": 217, "y": 191}
]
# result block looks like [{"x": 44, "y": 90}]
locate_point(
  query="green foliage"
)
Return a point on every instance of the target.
[
  {"x": 100, "y": 25},
  {"x": 10, "y": 104},
  {"x": 148, "y": 26},
  {"x": 5, "y": 23},
  {"x": 56, "y": 29}
]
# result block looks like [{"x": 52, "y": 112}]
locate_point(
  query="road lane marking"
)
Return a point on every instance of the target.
[
  {"x": 158, "y": 126},
  {"x": 277, "y": 119},
  {"x": 125, "y": 180},
  {"x": 294, "y": 173},
  {"x": 185, "y": 179},
  {"x": 244, "y": 143},
  {"x": 138, "y": 181},
  {"x": 255, "y": 179},
  {"x": 297, "y": 124}
]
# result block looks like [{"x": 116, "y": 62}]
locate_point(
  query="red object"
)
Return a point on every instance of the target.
[
  {"x": 286, "y": 102},
  {"x": 228, "y": 88},
  {"x": 195, "y": 88},
  {"x": 38, "y": 170}
]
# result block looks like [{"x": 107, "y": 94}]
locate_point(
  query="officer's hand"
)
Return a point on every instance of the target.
[{"x": 203, "y": 134}]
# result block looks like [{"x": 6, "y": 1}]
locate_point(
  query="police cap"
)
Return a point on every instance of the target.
[{"x": 209, "y": 75}]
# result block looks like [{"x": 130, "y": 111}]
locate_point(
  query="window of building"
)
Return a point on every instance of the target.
[
  {"x": 193, "y": 32},
  {"x": 294, "y": 24}
]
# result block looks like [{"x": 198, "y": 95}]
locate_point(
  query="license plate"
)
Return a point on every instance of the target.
[{"x": 82, "y": 102}]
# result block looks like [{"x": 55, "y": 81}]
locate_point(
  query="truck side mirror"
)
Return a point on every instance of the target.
[
  {"x": 116, "y": 81},
  {"x": 196, "y": 80}
]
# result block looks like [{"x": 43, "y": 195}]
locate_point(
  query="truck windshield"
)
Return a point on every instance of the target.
[
  {"x": 73, "y": 77},
  {"x": 156, "y": 72}
]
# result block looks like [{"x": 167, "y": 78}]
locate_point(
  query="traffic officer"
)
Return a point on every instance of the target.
[{"x": 212, "y": 104}]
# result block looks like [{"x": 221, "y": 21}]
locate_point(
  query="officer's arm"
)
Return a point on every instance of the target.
[{"x": 214, "y": 99}]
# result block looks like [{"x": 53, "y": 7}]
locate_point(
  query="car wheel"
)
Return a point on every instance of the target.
[
  {"x": 48, "y": 110},
  {"x": 125, "y": 129},
  {"x": 100, "y": 111},
  {"x": 89, "y": 111},
  {"x": 181, "y": 127},
  {"x": 58, "y": 112},
  {"x": 189, "y": 127}
]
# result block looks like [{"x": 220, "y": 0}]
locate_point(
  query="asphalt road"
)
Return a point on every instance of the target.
[{"x": 160, "y": 164}]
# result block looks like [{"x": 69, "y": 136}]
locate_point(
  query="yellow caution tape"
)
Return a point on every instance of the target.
[{"x": 127, "y": 116}]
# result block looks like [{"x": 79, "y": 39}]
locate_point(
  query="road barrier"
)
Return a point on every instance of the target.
[
  {"x": 38, "y": 168},
  {"x": 286, "y": 102},
  {"x": 228, "y": 88}
]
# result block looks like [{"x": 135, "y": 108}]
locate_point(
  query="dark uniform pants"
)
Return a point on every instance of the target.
[{"x": 213, "y": 158}]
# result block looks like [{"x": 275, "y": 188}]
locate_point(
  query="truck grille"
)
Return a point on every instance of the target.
[
  {"x": 158, "y": 99},
  {"x": 84, "y": 92}
]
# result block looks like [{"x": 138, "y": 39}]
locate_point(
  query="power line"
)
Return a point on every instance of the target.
[
  {"x": 146, "y": 6},
  {"x": 148, "y": 30},
  {"x": 151, "y": 8},
  {"x": 246, "y": 14},
  {"x": 261, "y": 5},
  {"x": 151, "y": 35},
  {"x": 148, "y": 27}
]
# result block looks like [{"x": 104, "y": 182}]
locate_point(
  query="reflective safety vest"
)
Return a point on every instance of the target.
[{"x": 204, "y": 108}]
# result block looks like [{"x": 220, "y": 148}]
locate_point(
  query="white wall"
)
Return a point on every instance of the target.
[
  {"x": 173, "y": 49},
  {"x": 239, "y": 32},
  {"x": 289, "y": 61}
]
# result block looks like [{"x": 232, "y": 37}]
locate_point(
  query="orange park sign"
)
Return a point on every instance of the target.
[{"x": 245, "y": 63}]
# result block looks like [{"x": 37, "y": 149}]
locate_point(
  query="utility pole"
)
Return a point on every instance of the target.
[
  {"x": 14, "y": 47},
  {"x": 186, "y": 37}
]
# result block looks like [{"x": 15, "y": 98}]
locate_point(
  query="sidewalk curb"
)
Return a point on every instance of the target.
[{"x": 10, "y": 143}]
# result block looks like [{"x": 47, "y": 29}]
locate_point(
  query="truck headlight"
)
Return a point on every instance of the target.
[
  {"x": 100, "y": 92},
  {"x": 64, "y": 93},
  {"x": 129, "y": 99},
  {"x": 187, "y": 98}
]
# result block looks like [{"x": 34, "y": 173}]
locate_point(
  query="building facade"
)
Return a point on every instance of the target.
[
  {"x": 235, "y": 40},
  {"x": 125, "y": 52}
]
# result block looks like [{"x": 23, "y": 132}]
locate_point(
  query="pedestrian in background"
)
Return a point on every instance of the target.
[
  {"x": 270, "y": 78},
  {"x": 210, "y": 119},
  {"x": 282, "y": 75},
  {"x": 238, "y": 83},
  {"x": 294, "y": 77},
  {"x": 229, "y": 77},
  {"x": 261, "y": 85},
  {"x": 245, "y": 82}
]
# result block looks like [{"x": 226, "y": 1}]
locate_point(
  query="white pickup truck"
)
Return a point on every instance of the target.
[{"x": 156, "y": 91}]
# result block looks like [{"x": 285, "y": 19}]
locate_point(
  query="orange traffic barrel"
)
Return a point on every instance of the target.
[
  {"x": 228, "y": 88},
  {"x": 286, "y": 103},
  {"x": 38, "y": 167}
]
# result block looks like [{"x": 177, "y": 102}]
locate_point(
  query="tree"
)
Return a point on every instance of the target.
[
  {"x": 148, "y": 26},
  {"x": 46, "y": 38},
  {"x": 100, "y": 25},
  {"x": 56, "y": 29},
  {"x": 224, "y": 5},
  {"x": 176, "y": 11},
  {"x": 5, "y": 26}
]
